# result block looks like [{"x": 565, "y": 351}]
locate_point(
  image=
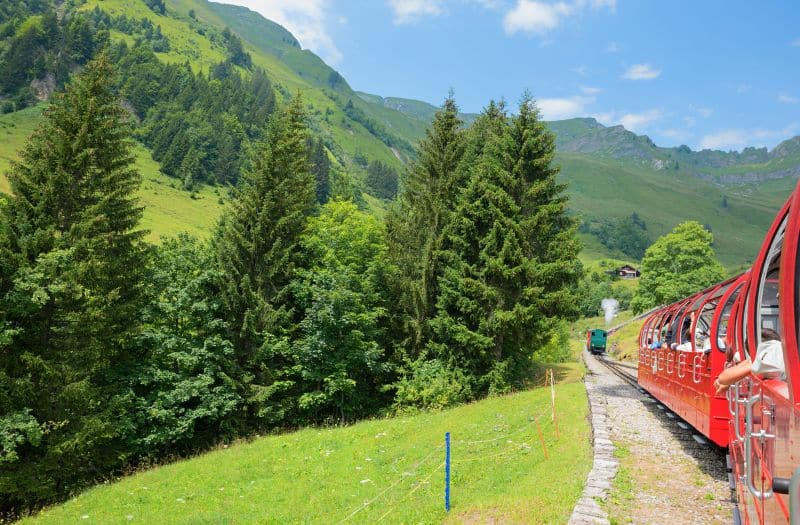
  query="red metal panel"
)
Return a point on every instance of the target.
[{"x": 788, "y": 296}]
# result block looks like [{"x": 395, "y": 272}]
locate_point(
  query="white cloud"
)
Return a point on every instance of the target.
[
  {"x": 612, "y": 47},
  {"x": 637, "y": 122},
  {"x": 589, "y": 90},
  {"x": 737, "y": 139},
  {"x": 787, "y": 99},
  {"x": 796, "y": 42},
  {"x": 690, "y": 121},
  {"x": 640, "y": 121},
  {"x": 598, "y": 4},
  {"x": 534, "y": 17},
  {"x": 607, "y": 119},
  {"x": 675, "y": 134},
  {"x": 488, "y": 4},
  {"x": 580, "y": 70},
  {"x": 703, "y": 112},
  {"x": 641, "y": 72},
  {"x": 563, "y": 108},
  {"x": 305, "y": 19},
  {"x": 728, "y": 139},
  {"x": 410, "y": 11}
]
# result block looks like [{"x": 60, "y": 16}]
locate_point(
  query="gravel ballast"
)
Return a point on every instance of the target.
[{"x": 675, "y": 479}]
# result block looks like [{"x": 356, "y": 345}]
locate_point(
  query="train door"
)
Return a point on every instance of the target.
[
  {"x": 765, "y": 408},
  {"x": 685, "y": 391},
  {"x": 712, "y": 415},
  {"x": 646, "y": 338},
  {"x": 721, "y": 340}
]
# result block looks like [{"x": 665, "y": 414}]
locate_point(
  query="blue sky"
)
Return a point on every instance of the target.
[{"x": 716, "y": 74}]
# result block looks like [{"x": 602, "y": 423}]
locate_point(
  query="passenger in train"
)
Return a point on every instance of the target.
[
  {"x": 686, "y": 346},
  {"x": 768, "y": 363}
]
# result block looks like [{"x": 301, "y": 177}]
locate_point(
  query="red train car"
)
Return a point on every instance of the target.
[{"x": 684, "y": 346}]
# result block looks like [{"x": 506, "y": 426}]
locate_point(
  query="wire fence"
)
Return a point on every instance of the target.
[{"x": 516, "y": 448}]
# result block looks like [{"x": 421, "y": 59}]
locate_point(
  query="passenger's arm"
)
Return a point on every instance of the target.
[{"x": 731, "y": 375}]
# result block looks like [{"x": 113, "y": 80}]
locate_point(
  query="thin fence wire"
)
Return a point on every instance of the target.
[
  {"x": 506, "y": 452},
  {"x": 387, "y": 489},
  {"x": 412, "y": 491},
  {"x": 498, "y": 438},
  {"x": 512, "y": 450}
]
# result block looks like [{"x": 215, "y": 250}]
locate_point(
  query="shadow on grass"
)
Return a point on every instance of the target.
[{"x": 568, "y": 372}]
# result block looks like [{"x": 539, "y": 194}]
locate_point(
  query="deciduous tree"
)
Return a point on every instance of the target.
[{"x": 676, "y": 265}]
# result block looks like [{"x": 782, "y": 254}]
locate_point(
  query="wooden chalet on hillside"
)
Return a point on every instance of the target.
[{"x": 625, "y": 272}]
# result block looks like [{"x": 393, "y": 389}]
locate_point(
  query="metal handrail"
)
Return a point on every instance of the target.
[
  {"x": 748, "y": 446},
  {"x": 670, "y": 362},
  {"x": 660, "y": 360},
  {"x": 682, "y": 361},
  {"x": 729, "y": 395},
  {"x": 694, "y": 369}
]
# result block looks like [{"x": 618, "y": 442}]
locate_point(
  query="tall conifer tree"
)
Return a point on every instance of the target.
[
  {"x": 70, "y": 289},
  {"x": 509, "y": 255},
  {"x": 416, "y": 223},
  {"x": 321, "y": 167},
  {"x": 257, "y": 248}
]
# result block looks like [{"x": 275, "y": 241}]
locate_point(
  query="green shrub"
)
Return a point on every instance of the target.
[{"x": 431, "y": 384}]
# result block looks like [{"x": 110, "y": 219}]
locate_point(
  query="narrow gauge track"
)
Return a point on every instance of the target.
[
  {"x": 648, "y": 438},
  {"x": 621, "y": 370}
]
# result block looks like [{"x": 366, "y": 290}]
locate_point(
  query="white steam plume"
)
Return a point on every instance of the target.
[{"x": 610, "y": 307}]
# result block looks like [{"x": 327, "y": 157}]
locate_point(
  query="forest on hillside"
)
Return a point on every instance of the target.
[
  {"x": 117, "y": 353},
  {"x": 301, "y": 307}
]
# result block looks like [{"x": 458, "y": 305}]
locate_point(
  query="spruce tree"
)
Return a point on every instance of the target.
[
  {"x": 416, "y": 224},
  {"x": 551, "y": 232},
  {"x": 321, "y": 167},
  {"x": 70, "y": 290},
  {"x": 509, "y": 255},
  {"x": 257, "y": 249}
]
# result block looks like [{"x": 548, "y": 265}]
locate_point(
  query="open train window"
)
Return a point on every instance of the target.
[
  {"x": 721, "y": 334},
  {"x": 766, "y": 308}
]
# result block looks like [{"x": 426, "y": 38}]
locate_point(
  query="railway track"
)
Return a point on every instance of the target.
[
  {"x": 621, "y": 370},
  {"x": 651, "y": 430}
]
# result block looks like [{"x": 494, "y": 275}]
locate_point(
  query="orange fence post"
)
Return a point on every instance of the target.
[
  {"x": 553, "y": 400},
  {"x": 541, "y": 437}
]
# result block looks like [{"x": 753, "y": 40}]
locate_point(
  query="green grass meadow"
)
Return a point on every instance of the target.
[{"x": 384, "y": 470}]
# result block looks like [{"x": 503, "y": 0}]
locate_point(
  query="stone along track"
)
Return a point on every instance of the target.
[{"x": 662, "y": 472}]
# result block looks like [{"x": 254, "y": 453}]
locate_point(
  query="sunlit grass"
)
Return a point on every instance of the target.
[{"x": 388, "y": 469}]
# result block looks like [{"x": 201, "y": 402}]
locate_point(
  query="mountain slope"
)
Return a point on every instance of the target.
[
  {"x": 611, "y": 171},
  {"x": 586, "y": 135}
]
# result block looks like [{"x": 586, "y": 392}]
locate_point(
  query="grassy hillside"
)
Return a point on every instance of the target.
[
  {"x": 15, "y": 128},
  {"x": 386, "y": 469},
  {"x": 611, "y": 172},
  {"x": 600, "y": 187},
  {"x": 167, "y": 209}
]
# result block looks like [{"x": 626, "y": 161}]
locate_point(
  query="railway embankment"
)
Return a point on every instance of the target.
[
  {"x": 589, "y": 508},
  {"x": 649, "y": 466}
]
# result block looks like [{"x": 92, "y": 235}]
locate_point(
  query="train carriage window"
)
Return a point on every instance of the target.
[
  {"x": 767, "y": 315},
  {"x": 722, "y": 327}
]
